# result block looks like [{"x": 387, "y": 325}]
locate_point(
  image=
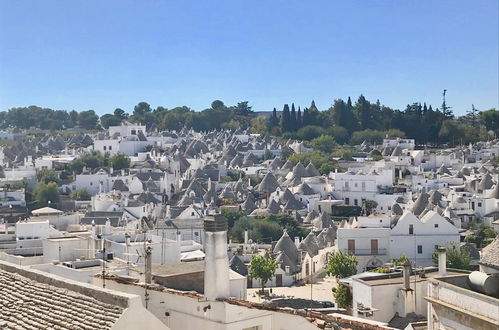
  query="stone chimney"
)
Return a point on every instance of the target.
[
  {"x": 148, "y": 265},
  {"x": 407, "y": 276},
  {"x": 216, "y": 262},
  {"x": 442, "y": 261},
  {"x": 406, "y": 298}
]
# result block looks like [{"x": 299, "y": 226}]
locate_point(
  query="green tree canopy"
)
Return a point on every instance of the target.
[
  {"x": 341, "y": 265},
  {"x": 369, "y": 206},
  {"x": 88, "y": 119},
  {"x": 80, "y": 195},
  {"x": 343, "y": 296},
  {"x": 46, "y": 176},
  {"x": 262, "y": 268},
  {"x": 45, "y": 192},
  {"x": 119, "y": 161},
  {"x": 109, "y": 120},
  {"x": 323, "y": 143},
  {"x": 456, "y": 257}
]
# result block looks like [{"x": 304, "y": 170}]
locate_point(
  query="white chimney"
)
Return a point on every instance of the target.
[
  {"x": 179, "y": 236},
  {"x": 442, "y": 261},
  {"x": 245, "y": 237},
  {"x": 216, "y": 261},
  {"x": 297, "y": 241},
  {"x": 107, "y": 227}
]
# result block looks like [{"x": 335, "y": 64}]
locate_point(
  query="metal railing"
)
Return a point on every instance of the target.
[{"x": 365, "y": 252}]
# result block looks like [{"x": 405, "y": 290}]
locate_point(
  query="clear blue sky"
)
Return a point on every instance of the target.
[{"x": 105, "y": 54}]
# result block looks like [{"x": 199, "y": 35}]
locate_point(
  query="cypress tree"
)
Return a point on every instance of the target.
[
  {"x": 285, "y": 119},
  {"x": 274, "y": 121},
  {"x": 305, "y": 118},
  {"x": 299, "y": 122},
  {"x": 292, "y": 122}
]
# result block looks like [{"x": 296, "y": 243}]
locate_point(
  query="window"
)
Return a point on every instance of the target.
[
  {"x": 436, "y": 225},
  {"x": 347, "y": 201},
  {"x": 105, "y": 148},
  {"x": 420, "y": 249},
  {"x": 91, "y": 183},
  {"x": 110, "y": 148},
  {"x": 355, "y": 202},
  {"x": 196, "y": 234},
  {"x": 192, "y": 214},
  {"x": 363, "y": 186},
  {"x": 134, "y": 132},
  {"x": 355, "y": 185},
  {"x": 479, "y": 204},
  {"x": 411, "y": 229}
]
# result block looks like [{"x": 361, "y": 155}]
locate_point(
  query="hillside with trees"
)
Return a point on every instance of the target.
[{"x": 347, "y": 122}]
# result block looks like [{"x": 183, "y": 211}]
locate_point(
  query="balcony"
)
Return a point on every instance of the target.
[{"x": 365, "y": 252}]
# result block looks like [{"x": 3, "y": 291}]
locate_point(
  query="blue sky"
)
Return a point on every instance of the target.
[{"x": 106, "y": 54}]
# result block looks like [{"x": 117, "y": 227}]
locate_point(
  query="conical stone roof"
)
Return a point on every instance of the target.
[
  {"x": 420, "y": 204},
  {"x": 285, "y": 244},
  {"x": 268, "y": 184}
]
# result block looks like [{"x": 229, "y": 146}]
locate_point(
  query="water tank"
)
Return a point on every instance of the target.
[{"x": 487, "y": 284}]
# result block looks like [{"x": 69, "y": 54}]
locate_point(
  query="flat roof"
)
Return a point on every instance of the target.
[{"x": 399, "y": 279}]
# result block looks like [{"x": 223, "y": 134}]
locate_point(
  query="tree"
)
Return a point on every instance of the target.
[
  {"x": 369, "y": 206},
  {"x": 120, "y": 114},
  {"x": 472, "y": 116},
  {"x": 217, "y": 105},
  {"x": 119, "y": 161},
  {"x": 288, "y": 223},
  {"x": 274, "y": 120},
  {"x": 45, "y": 192},
  {"x": 456, "y": 258},
  {"x": 46, "y": 176},
  {"x": 240, "y": 226},
  {"x": 327, "y": 168},
  {"x": 109, "y": 120},
  {"x": 80, "y": 195},
  {"x": 490, "y": 119},
  {"x": 232, "y": 216},
  {"x": 259, "y": 125},
  {"x": 324, "y": 143},
  {"x": 446, "y": 110},
  {"x": 310, "y": 132},
  {"x": 343, "y": 296},
  {"x": 341, "y": 265},
  {"x": 400, "y": 261},
  {"x": 262, "y": 268},
  {"x": 481, "y": 237},
  {"x": 285, "y": 119},
  {"x": 263, "y": 230},
  {"x": 88, "y": 119},
  {"x": 292, "y": 116},
  {"x": 243, "y": 109}
]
